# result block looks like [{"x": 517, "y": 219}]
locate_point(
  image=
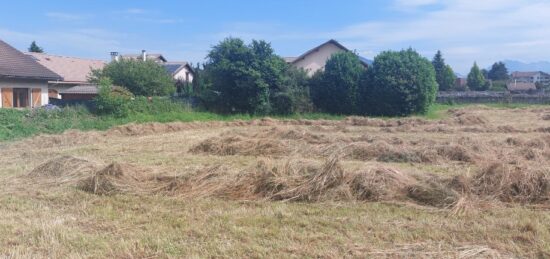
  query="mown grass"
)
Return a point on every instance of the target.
[{"x": 18, "y": 124}]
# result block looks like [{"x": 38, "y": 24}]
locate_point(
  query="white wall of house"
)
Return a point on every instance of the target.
[
  {"x": 316, "y": 61},
  {"x": 29, "y": 84},
  {"x": 182, "y": 75}
]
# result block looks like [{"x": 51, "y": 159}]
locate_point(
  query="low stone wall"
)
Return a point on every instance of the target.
[{"x": 492, "y": 97}]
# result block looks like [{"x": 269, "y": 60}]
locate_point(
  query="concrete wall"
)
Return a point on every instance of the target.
[
  {"x": 23, "y": 83},
  {"x": 316, "y": 60}
]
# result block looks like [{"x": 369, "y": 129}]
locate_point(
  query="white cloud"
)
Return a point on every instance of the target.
[
  {"x": 465, "y": 30},
  {"x": 66, "y": 16}
]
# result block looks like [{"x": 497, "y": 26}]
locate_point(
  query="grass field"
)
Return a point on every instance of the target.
[{"x": 461, "y": 182}]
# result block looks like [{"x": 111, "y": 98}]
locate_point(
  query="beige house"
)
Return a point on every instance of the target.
[
  {"x": 180, "y": 71},
  {"x": 316, "y": 58},
  {"x": 23, "y": 81},
  {"x": 75, "y": 71}
]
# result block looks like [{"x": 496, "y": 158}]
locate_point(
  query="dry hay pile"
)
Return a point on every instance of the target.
[
  {"x": 63, "y": 169},
  {"x": 235, "y": 145},
  {"x": 509, "y": 183},
  {"x": 119, "y": 178}
]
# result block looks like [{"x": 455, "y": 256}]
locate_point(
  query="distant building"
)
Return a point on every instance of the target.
[
  {"x": 75, "y": 71},
  {"x": 531, "y": 77},
  {"x": 461, "y": 83},
  {"x": 158, "y": 58},
  {"x": 180, "y": 71},
  {"x": 23, "y": 81},
  {"x": 521, "y": 86},
  {"x": 316, "y": 58}
]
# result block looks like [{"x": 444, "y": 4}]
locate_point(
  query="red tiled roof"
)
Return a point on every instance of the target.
[
  {"x": 70, "y": 68},
  {"x": 14, "y": 63}
]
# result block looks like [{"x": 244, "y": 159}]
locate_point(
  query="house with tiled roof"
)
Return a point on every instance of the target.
[
  {"x": 315, "y": 59},
  {"x": 23, "y": 81},
  {"x": 531, "y": 77},
  {"x": 75, "y": 72},
  {"x": 180, "y": 71}
]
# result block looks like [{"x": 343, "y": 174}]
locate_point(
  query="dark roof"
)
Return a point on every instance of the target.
[
  {"x": 365, "y": 61},
  {"x": 520, "y": 86},
  {"x": 81, "y": 89},
  {"x": 140, "y": 57},
  {"x": 174, "y": 67},
  {"x": 527, "y": 74},
  {"x": 15, "y": 64}
]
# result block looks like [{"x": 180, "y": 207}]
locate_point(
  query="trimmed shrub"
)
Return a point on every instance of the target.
[
  {"x": 398, "y": 84},
  {"x": 336, "y": 90},
  {"x": 112, "y": 101}
]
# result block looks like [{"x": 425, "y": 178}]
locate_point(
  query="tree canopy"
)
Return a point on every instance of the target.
[
  {"x": 337, "y": 88},
  {"x": 399, "y": 84},
  {"x": 142, "y": 78},
  {"x": 476, "y": 80},
  {"x": 498, "y": 72},
  {"x": 444, "y": 74},
  {"x": 35, "y": 48}
]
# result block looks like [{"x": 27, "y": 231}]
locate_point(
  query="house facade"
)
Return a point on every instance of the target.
[
  {"x": 531, "y": 77},
  {"x": 75, "y": 71},
  {"x": 23, "y": 81},
  {"x": 316, "y": 58}
]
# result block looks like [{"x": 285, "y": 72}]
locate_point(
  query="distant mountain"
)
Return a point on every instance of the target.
[{"x": 514, "y": 65}]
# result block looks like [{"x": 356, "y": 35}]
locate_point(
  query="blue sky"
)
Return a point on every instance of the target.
[{"x": 465, "y": 30}]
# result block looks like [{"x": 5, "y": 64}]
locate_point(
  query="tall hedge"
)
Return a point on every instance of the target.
[
  {"x": 336, "y": 90},
  {"x": 141, "y": 78},
  {"x": 399, "y": 84}
]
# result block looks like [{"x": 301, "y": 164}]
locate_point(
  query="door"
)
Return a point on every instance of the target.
[
  {"x": 7, "y": 97},
  {"x": 20, "y": 97},
  {"x": 36, "y": 97}
]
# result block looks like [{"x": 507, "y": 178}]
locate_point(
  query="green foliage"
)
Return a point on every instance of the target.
[
  {"x": 141, "y": 78},
  {"x": 498, "y": 86},
  {"x": 35, "y": 48},
  {"x": 336, "y": 90},
  {"x": 242, "y": 78},
  {"x": 476, "y": 81},
  {"x": 399, "y": 84},
  {"x": 296, "y": 87},
  {"x": 109, "y": 102},
  {"x": 444, "y": 74},
  {"x": 498, "y": 72}
]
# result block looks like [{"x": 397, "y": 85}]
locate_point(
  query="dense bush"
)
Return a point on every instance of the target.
[
  {"x": 250, "y": 79},
  {"x": 399, "y": 84},
  {"x": 336, "y": 90},
  {"x": 141, "y": 78},
  {"x": 110, "y": 101}
]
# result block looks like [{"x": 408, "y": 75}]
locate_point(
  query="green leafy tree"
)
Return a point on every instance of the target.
[
  {"x": 142, "y": 78},
  {"x": 35, "y": 48},
  {"x": 444, "y": 74},
  {"x": 245, "y": 78},
  {"x": 498, "y": 72},
  {"x": 476, "y": 80},
  {"x": 338, "y": 89},
  {"x": 399, "y": 84}
]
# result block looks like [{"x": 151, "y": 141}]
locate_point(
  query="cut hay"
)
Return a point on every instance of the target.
[
  {"x": 432, "y": 192},
  {"x": 63, "y": 169},
  {"x": 513, "y": 183},
  {"x": 118, "y": 178},
  {"x": 230, "y": 146},
  {"x": 469, "y": 120},
  {"x": 381, "y": 184}
]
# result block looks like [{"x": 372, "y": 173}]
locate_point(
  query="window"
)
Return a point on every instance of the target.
[{"x": 20, "y": 97}]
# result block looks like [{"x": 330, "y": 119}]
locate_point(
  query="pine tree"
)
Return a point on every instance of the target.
[
  {"x": 444, "y": 74},
  {"x": 476, "y": 80},
  {"x": 35, "y": 48}
]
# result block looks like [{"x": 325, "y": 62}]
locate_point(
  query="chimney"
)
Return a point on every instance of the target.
[
  {"x": 144, "y": 55},
  {"x": 114, "y": 56}
]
